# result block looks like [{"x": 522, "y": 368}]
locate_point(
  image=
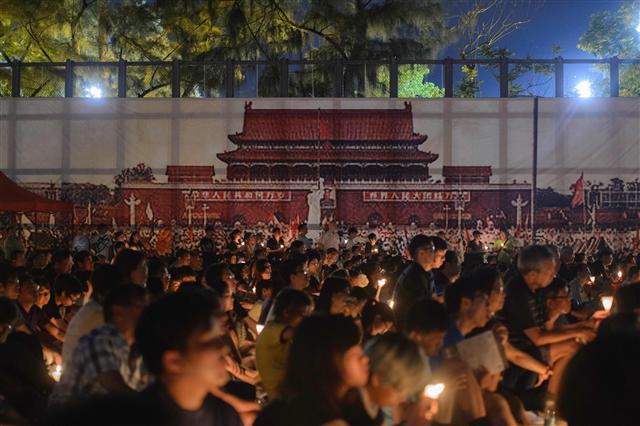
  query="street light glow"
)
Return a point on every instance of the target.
[
  {"x": 94, "y": 92},
  {"x": 584, "y": 89}
]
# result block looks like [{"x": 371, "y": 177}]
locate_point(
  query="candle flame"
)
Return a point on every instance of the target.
[
  {"x": 607, "y": 302},
  {"x": 434, "y": 391}
]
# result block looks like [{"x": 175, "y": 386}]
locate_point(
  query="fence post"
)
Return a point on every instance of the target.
[
  {"x": 614, "y": 76},
  {"x": 68, "y": 79},
  {"x": 284, "y": 78},
  {"x": 448, "y": 77},
  {"x": 175, "y": 78},
  {"x": 229, "y": 78},
  {"x": 393, "y": 77},
  {"x": 504, "y": 77},
  {"x": 15, "y": 78},
  {"x": 122, "y": 78},
  {"x": 338, "y": 79},
  {"x": 559, "y": 77}
]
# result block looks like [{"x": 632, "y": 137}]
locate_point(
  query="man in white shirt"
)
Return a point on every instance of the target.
[{"x": 329, "y": 238}]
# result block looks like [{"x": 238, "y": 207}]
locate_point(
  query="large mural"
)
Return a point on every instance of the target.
[{"x": 363, "y": 166}]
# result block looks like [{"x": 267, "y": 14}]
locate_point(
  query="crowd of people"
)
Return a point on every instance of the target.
[{"x": 356, "y": 327}]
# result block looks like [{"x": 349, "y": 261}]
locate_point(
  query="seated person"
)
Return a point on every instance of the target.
[
  {"x": 182, "y": 346},
  {"x": 67, "y": 290},
  {"x": 102, "y": 361},
  {"x": 427, "y": 324},
  {"x": 582, "y": 306},
  {"x": 602, "y": 373},
  {"x": 272, "y": 345},
  {"x": 398, "y": 374},
  {"x": 24, "y": 381},
  {"x": 524, "y": 317}
]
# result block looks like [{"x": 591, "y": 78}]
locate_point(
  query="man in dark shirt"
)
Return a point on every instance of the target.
[
  {"x": 275, "y": 246},
  {"x": 524, "y": 315},
  {"x": 208, "y": 247},
  {"x": 415, "y": 283},
  {"x": 567, "y": 270},
  {"x": 182, "y": 345},
  {"x": 474, "y": 254}
]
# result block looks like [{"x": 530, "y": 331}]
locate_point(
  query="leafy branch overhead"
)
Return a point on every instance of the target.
[{"x": 217, "y": 30}]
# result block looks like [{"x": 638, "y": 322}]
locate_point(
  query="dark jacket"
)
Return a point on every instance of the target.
[{"x": 414, "y": 284}]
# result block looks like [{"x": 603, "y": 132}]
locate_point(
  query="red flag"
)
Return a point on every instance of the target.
[{"x": 578, "y": 192}]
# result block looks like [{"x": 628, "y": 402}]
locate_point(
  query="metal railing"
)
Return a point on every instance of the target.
[{"x": 291, "y": 78}]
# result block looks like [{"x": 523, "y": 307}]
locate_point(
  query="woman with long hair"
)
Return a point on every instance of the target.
[
  {"x": 333, "y": 296},
  {"x": 326, "y": 364}
]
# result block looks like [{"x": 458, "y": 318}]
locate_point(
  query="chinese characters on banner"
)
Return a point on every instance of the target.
[
  {"x": 242, "y": 196},
  {"x": 414, "y": 196}
]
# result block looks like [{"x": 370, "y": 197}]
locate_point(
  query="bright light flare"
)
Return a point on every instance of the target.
[
  {"x": 584, "y": 89},
  {"x": 434, "y": 391},
  {"x": 94, "y": 92}
]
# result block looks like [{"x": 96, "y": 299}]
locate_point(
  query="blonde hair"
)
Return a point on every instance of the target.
[{"x": 398, "y": 362}]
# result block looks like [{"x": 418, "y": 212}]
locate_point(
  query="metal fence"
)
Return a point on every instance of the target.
[{"x": 340, "y": 78}]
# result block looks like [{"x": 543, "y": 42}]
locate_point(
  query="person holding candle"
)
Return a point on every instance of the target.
[
  {"x": 524, "y": 317},
  {"x": 398, "y": 374},
  {"x": 24, "y": 381}
]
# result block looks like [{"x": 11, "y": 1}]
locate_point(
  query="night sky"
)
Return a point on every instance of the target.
[
  {"x": 554, "y": 23},
  {"x": 557, "y": 22}
]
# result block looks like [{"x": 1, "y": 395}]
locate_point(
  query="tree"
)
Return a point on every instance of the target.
[
  {"x": 481, "y": 25},
  {"x": 613, "y": 33},
  {"x": 217, "y": 30}
]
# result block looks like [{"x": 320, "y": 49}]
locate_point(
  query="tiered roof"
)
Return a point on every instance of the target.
[
  {"x": 332, "y": 125},
  {"x": 328, "y": 155}
]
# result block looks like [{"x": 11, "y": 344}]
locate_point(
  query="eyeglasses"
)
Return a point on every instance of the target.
[{"x": 214, "y": 344}]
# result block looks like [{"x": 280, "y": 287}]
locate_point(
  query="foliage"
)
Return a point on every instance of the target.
[
  {"x": 217, "y": 30},
  {"x": 613, "y": 33}
]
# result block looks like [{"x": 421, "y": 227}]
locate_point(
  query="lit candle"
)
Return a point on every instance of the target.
[
  {"x": 259, "y": 328},
  {"x": 391, "y": 303},
  {"x": 486, "y": 247},
  {"x": 346, "y": 241},
  {"x": 57, "y": 373},
  {"x": 375, "y": 250},
  {"x": 619, "y": 274},
  {"x": 607, "y": 302},
  {"x": 281, "y": 245},
  {"x": 381, "y": 283},
  {"x": 592, "y": 279},
  {"x": 434, "y": 391}
]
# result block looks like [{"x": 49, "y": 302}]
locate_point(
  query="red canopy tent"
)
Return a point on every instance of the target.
[{"x": 14, "y": 198}]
